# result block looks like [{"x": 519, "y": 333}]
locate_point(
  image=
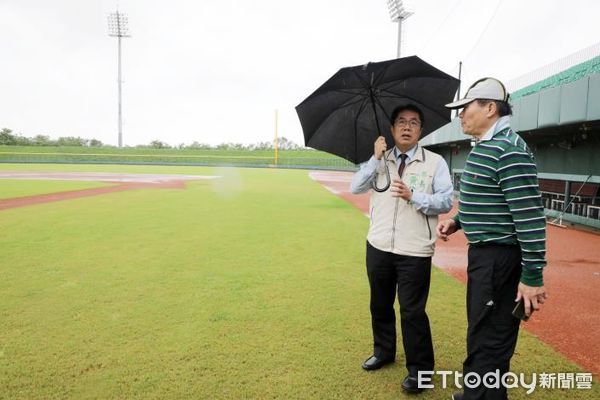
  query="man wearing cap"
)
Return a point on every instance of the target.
[
  {"x": 400, "y": 241},
  {"x": 501, "y": 213}
]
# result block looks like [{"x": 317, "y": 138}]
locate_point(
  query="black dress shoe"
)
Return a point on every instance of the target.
[
  {"x": 411, "y": 385},
  {"x": 457, "y": 396},
  {"x": 373, "y": 363}
]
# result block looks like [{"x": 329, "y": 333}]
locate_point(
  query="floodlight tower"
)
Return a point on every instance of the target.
[
  {"x": 118, "y": 27},
  {"x": 398, "y": 14}
]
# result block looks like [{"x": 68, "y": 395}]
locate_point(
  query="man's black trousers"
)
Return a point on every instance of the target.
[
  {"x": 409, "y": 277},
  {"x": 493, "y": 277}
]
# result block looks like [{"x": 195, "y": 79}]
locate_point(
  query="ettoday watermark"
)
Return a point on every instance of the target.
[{"x": 494, "y": 380}]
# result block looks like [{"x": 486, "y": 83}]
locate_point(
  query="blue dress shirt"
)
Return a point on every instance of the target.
[{"x": 439, "y": 202}]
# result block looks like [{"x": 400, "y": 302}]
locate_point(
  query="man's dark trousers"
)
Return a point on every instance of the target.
[
  {"x": 409, "y": 277},
  {"x": 493, "y": 277}
]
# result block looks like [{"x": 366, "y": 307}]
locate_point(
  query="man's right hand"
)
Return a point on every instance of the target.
[
  {"x": 379, "y": 148},
  {"x": 445, "y": 228}
]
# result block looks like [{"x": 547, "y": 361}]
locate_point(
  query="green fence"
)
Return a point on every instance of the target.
[{"x": 308, "y": 159}]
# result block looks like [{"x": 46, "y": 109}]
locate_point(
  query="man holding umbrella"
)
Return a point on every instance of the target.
[
  {"x": 400, "y": 241},
  {"x": 342, "y": 117}
]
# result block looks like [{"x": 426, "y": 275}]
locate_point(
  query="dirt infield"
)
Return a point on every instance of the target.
[
  {"x": 569, "y": 321},
  {"x": 120, "y": 182}
]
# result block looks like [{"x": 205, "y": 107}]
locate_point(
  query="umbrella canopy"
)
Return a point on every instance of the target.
[{"x": 348, "y": 112}]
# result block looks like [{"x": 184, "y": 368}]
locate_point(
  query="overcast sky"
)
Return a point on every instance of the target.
[{"x": 215, "y": 71}]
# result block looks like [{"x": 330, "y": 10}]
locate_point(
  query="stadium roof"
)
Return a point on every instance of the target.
[
  {"x": 572, "y": 74},
  {"x": 567, "y": 97}
]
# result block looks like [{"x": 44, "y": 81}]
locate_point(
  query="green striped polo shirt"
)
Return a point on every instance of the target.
[{"x": 500, "y": 201}]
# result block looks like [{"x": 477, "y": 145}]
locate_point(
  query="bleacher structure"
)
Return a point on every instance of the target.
[{"x": 559, "y": 117}]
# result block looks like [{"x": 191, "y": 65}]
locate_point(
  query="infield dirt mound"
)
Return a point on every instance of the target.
[{"x": 118, "y": 182}]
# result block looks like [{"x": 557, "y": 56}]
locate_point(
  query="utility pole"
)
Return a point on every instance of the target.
[
  {"x": 118, "y": 27},
  {"x": 276, "y": 141},
  {"x": 398, "y": 14},
  {"x": 460, "y": 83}
]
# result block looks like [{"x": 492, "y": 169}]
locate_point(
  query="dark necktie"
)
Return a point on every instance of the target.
[{"x": 402, "y": 164}]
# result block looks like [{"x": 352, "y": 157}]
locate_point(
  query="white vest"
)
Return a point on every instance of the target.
[{"x": 396, "y": 225}]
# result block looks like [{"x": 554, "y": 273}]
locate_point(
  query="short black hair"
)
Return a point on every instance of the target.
[
  {"x": 503, "y": 107},
  {"x": 409, "y": 107}
]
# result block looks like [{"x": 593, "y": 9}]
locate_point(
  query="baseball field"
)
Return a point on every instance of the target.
[{"x": 225, "y": 283}]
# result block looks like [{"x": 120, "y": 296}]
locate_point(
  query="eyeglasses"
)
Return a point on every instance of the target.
[{"x": 413, "y": 123}]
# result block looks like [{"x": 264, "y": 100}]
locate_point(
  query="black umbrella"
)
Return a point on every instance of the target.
[{"x": 349, "y": 111}]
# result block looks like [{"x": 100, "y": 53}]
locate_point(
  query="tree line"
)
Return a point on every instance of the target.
[{"x": 8, "y": 138}]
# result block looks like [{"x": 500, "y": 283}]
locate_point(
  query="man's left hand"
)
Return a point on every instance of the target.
[
  {"x": 400, "y": 189},
  {"x": 533, "y": 297}
]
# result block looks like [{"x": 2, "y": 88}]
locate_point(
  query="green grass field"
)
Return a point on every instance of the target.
[
  {"x": 249, "y": 286},
  {"x": 73, "y": 154}
]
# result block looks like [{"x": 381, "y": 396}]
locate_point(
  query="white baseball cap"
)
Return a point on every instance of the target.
[{"x": 484, "y": 88}]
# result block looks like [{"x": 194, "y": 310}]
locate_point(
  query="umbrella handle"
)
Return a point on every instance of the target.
[{"x": 387, "y": 176}]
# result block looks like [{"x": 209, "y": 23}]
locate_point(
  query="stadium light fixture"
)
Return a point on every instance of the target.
[
  {"x": 118, "y": 26},
  {"x": 398, "y": 13}
]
